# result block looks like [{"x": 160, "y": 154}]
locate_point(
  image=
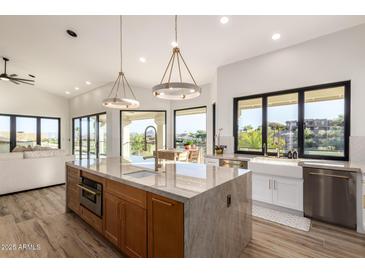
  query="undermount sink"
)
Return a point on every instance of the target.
[
  {"x": 276, "y": 166},
  {"x": 140, "y": 173}
]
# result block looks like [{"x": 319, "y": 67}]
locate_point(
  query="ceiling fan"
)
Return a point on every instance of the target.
[{"x": 13, "y": 77}]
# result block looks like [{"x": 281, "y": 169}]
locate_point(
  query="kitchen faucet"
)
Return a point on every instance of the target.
[{"x": 145, "y": 146}]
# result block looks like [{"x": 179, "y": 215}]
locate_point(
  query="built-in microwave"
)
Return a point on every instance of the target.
[{"x": 91, "y": 195}]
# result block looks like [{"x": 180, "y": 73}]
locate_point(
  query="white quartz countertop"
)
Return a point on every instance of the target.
[
  {"x": 327, "y": 164},
  {"x": 178, "y": 181}
]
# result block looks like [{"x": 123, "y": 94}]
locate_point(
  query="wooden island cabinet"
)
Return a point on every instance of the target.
[
  {"x": 182, "y": 210},
  {"x": 138, "y": 223}
]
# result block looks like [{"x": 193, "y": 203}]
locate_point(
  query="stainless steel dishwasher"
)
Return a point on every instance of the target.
[{"x": 330, "y": 196}]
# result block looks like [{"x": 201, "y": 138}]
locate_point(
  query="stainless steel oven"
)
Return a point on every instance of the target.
[{"x": 91, "y": 195}]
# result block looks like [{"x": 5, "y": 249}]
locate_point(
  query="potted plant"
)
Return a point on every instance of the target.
[
  {"x": 187, "y": 144},
  {"x": 219, "y": 149}
]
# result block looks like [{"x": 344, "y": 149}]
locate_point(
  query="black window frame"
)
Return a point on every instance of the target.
[
  {"x": 301, "y": 105},
  {"x": 139, "y": 110},
  {"x": 88, "y": 134},
  {"x": 38, "y": 132},
  {"x": 182, "y": 109}
]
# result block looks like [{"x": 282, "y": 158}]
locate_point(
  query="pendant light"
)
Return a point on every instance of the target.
[
  {"x": 176, "y": 90},
  {"x": 122, "y": 101}
]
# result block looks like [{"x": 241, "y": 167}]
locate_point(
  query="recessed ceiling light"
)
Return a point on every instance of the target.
[
  {"x": 275, "y": 36},
  {"x": 224, "y": 20},
  {"x": 67, "y": 92},
  {"x": 142, "y": 59},
  {"x": 174, "y": 44},
  {"x": 88, "y": 83},
  {"x": 77, "y": 88},
  {"x": 71, "y": 33}
]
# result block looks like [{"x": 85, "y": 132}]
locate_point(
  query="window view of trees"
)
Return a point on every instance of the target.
[
  {"x": 324, "y": 126},
  {"x": 89, "y": 136},
  {"x": 282, "y": 122},
  {"x": 4, "y": 133},
  {"x": 190, "y": 128},
  {"x": 323, "y": 132},
  {"x": 250, "y": 125},
  {"x": 133, "y": 125}
]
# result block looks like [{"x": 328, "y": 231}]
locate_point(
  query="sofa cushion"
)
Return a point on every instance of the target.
[
  {"x": 22, "y": 149},
  {"x": 11, "y": 155},
  {"x": 40, "y": 148}
]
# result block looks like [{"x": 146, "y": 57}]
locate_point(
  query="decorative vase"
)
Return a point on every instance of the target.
[
  {"x": 219, "y": 150},
  {"x": 187, "y": 147}
]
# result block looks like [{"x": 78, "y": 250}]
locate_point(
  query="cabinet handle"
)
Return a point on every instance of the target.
[
  {"x": 330, "y": 175},
  {"x": 162, "y": 202},
  {"x": 88, "y": 190},
  {"x": 269, "y": 183},
  {"x": 274, "y": 184}
]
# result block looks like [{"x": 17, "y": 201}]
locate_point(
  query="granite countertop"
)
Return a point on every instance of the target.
[{"x": 178, "y": 181}]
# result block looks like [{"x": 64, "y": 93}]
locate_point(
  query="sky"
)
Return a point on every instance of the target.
[{"x": 316, "y": 110}]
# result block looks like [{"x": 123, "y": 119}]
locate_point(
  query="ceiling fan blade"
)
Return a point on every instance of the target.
[
  {"x": 22, "y": 82},
  {"x": 14, "y": 82},
  {"x": 20, "y": 79},
  {"x": 13, "y": 75}
]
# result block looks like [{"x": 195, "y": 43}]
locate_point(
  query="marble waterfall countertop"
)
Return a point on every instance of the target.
[{"x": 179, "y": 181}]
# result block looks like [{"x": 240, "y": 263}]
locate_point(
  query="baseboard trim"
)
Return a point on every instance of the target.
[{"x": 27, "y": 190}]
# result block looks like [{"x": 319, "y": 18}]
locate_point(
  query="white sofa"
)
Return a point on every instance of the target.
[{"x": 21, "y": 171}]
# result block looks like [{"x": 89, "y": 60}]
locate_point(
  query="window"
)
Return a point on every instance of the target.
[
  {"x": 315, "y": 121},
  {"x": 26, "y": 131},
  {"x": 191, "y": 128},
  {"x": 250, "y": 125},
  {"x": 89, "y": 136},
  {"x": 4, "y": 133},
  {"x": 21, "y": 130},
  {"x": 133, "y": 125},
  {"x": 49, "y": 132},
  {"x": 282, "y": 122},
  {"x": 102, "y": 135},
  {"x": 324, "y": 124}
]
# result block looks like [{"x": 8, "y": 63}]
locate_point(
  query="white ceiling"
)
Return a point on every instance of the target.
[{"x": 40, "y": 46}]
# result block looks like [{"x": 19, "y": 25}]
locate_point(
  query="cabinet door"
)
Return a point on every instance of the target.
[
  {"x": 165, "y": 227},
  {"x": 288, "y": 192},
  {"x": 262, "y": 188},
  {"x": 111, "y": 218},
  {"x": 133, "y": 237}
]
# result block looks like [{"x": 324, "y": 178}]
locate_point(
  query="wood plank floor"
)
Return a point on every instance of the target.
[{"x": 38, "y": 217}]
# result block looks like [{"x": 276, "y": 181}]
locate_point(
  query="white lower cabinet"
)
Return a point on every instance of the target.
[{"x": 281, "y": 191}]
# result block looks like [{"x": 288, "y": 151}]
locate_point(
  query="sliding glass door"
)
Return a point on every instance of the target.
[
  {"x": 89, "y": 136},
  {"x": 4, "y": 133},
  {"x": 133, "y": 125}
]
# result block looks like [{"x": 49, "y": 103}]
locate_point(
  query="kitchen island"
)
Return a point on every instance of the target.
[{"x": 183, "y": 210}]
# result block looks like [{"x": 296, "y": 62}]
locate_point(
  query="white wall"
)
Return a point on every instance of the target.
[
  {"x": 335, "y": 57},
  {"x": 205, "y": 99},
  {"x": 28, "y": 100},
  {"x": 90, "y": 103}
]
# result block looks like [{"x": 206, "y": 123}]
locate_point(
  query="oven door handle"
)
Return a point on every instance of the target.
[{"x": 88, "y": 190}]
